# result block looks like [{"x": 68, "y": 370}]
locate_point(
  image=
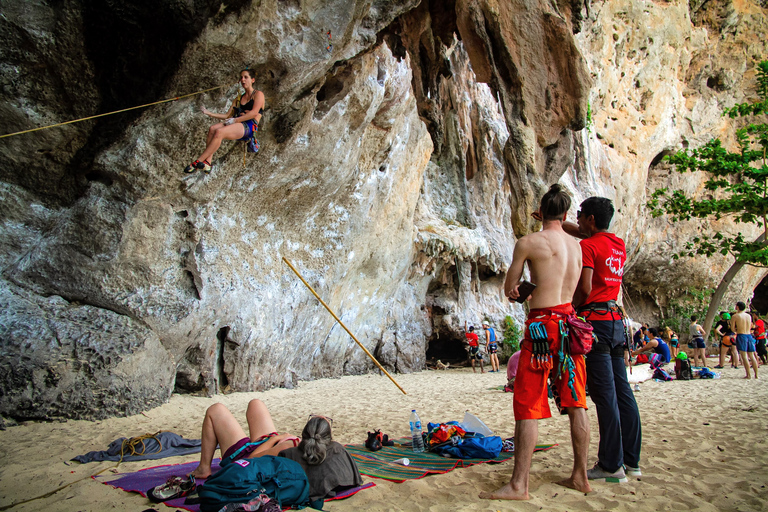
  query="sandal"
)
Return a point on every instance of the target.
[{"x": 174, "y": 487}]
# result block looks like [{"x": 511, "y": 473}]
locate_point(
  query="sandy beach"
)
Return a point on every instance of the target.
[{"x": 704, "y": 445}]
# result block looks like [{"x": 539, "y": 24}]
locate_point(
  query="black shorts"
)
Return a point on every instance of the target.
[
  {"x": 493, "y": 348},
  {"x": 474, "y": 353}
]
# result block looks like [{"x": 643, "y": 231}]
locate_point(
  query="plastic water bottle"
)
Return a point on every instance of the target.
[{"x": 418, "y": 441}]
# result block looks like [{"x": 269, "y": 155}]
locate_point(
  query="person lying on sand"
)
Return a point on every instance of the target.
[{"x": 326, "y": 462}]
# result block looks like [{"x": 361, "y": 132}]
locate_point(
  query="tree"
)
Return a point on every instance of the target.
[{"x": 736, "y": 188}]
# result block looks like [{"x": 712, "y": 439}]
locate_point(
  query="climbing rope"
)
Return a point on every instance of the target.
[
  {"x": 131, "y": 444},
  {"x": 111, "y": 113}
]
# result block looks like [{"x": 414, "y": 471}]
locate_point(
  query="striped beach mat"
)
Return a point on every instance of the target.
[{"x": 381, "y": 464}]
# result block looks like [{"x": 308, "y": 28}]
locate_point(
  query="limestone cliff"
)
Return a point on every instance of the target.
[{"x": 404, "y": 146}]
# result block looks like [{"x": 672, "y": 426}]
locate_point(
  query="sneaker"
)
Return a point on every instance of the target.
[
  {"x": 174, "y": 487},
  {"x": 719, "y": 366},
  {"x": 630, "y": 471},
  {"x": 599, "y": 474},
  {"x": 191, "y": 167},
  {"x": 204, "y": 166}
]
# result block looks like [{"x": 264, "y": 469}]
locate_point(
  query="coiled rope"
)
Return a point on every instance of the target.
[
  {"x": 110, "y": 113},
  {"x": 128, "y": 448}
]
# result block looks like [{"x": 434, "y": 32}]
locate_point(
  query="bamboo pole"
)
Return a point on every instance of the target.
[{"x": 344, "y": 326}]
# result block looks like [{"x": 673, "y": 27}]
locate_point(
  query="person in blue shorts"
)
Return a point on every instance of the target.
[
  {"x": 492, "y": 346},
  {"x": 741, "y": 324}
]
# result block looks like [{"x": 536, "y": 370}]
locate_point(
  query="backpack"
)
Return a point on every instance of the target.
[
  {"x": 243, "y": 480},
  {"x": 661, "y": 374},
  {"x": 683, "y": 369}
]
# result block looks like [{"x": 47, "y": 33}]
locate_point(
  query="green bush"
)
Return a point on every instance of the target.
[{"x": 513, "y": 334}]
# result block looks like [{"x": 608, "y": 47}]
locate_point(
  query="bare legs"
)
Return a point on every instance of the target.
[
  {"x": 218, "y": 133},
  {"x": 746, "y": 359},
  {"x": 580, "y": 440},
  {"x": 494, "y": 362},
  {"x": 700, "y": 354},
  {"x": 221, "y": 427},
  {"x": 526, "y": 435}
]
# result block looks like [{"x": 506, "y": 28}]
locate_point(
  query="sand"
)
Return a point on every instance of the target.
[{"x": 704, "y": 445}]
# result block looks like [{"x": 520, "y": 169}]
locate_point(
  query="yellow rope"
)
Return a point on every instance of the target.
[
  {"x": 130, "y": 443},
  {"x": 110, "y": 113}
]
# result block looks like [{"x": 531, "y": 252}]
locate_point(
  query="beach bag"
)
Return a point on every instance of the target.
[
  {"x": 243, "y": 480},
  {"x": 581, "y": 335},
  {"x": 473, "y": 448},
  {"x": 683, "y": 369}
]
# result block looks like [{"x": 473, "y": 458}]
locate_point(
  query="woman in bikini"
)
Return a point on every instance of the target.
[
  {"x": 239, "y": 123},
  {"x": 220, "y": 427}
]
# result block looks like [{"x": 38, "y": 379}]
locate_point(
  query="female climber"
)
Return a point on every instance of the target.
[{"x": 239, "y": 123}]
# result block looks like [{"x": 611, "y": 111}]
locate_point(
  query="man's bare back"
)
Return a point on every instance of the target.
[
  {"x": 741, "y": 323},
  {"x": 554, "y": 258}
]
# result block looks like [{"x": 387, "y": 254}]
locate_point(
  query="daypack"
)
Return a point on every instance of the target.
[
  {"x": 683, "y": 369},
  {"x": 661, "y": 374},
  {"x": 243, "y": 480},
  {"x": 473, "y": 448}
]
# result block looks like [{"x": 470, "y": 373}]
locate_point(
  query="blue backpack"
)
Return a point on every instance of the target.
[{"x": 243, "y": 480}]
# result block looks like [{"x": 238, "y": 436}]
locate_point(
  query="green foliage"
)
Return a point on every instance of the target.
[
  {"x": 679, "y": 311},
  {"x": 736, "y": 187},
  {"x": 512, "y": 334},
  {"x": 590, "y": 120}
]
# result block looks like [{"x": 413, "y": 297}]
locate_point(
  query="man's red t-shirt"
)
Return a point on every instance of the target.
[
  {"x": 759, "y": 329},
  {"x": 605, "y": 254},
  {"x": 472, "y": 337}
]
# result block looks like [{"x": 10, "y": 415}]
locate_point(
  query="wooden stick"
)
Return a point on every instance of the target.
[{"x": 344, "y": 326}]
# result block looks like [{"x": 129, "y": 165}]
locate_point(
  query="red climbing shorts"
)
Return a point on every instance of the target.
[{"x": 530, "y": 397}]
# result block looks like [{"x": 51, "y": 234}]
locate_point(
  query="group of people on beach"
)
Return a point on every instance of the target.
[
  {"x": 475, "y": 351},
  {"x": 742, "y": 335}
]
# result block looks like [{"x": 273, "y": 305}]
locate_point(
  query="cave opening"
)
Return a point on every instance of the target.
[
  {"x": 221, "y": 375},
  {"x": 446, "y": 348},
  {"x": 759, "y": 300}
]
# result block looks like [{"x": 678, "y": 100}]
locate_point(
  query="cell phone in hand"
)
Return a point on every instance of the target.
[{"x": 524, "y": 289}]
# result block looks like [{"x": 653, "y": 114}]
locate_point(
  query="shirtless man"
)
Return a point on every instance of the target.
[
  {"x": 554, "y": 259},
  {"x": 741, "y": 324}
]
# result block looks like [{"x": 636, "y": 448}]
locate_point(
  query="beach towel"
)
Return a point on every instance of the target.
[
  {"x": 381, "y": 464},
  {"x": 148, "y": 447},
  {"x": 143, "y": 480}
]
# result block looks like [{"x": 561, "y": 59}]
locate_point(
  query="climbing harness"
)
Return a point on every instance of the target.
[
  {"x": 110, "y": 113},
  {"x": 329, "y": 46}
]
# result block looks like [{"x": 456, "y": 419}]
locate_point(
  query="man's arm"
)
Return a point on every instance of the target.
[
  {"x": 515, "y": 272},
  {"x": 584, "y": 288},
  {"x": 645, "y": 348},
  {"x": 573, "y": 229}
]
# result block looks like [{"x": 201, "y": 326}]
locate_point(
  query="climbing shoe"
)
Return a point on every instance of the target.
[
  {"x": 192, "y": 167},
  {"x": 174, "y": 487},
  {"x": 204, "y": 166}
]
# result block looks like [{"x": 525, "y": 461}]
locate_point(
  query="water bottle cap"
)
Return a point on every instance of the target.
[{"x": 413, "y": 410}]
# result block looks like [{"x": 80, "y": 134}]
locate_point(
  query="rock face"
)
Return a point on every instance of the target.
[{"x": 404, "y": 146}]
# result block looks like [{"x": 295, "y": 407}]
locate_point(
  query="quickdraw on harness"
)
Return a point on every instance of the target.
[
  {"x": 329, "y": 47},
  {"x": 565, "y": 364},
  {"x": 541, "y": 357}
]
